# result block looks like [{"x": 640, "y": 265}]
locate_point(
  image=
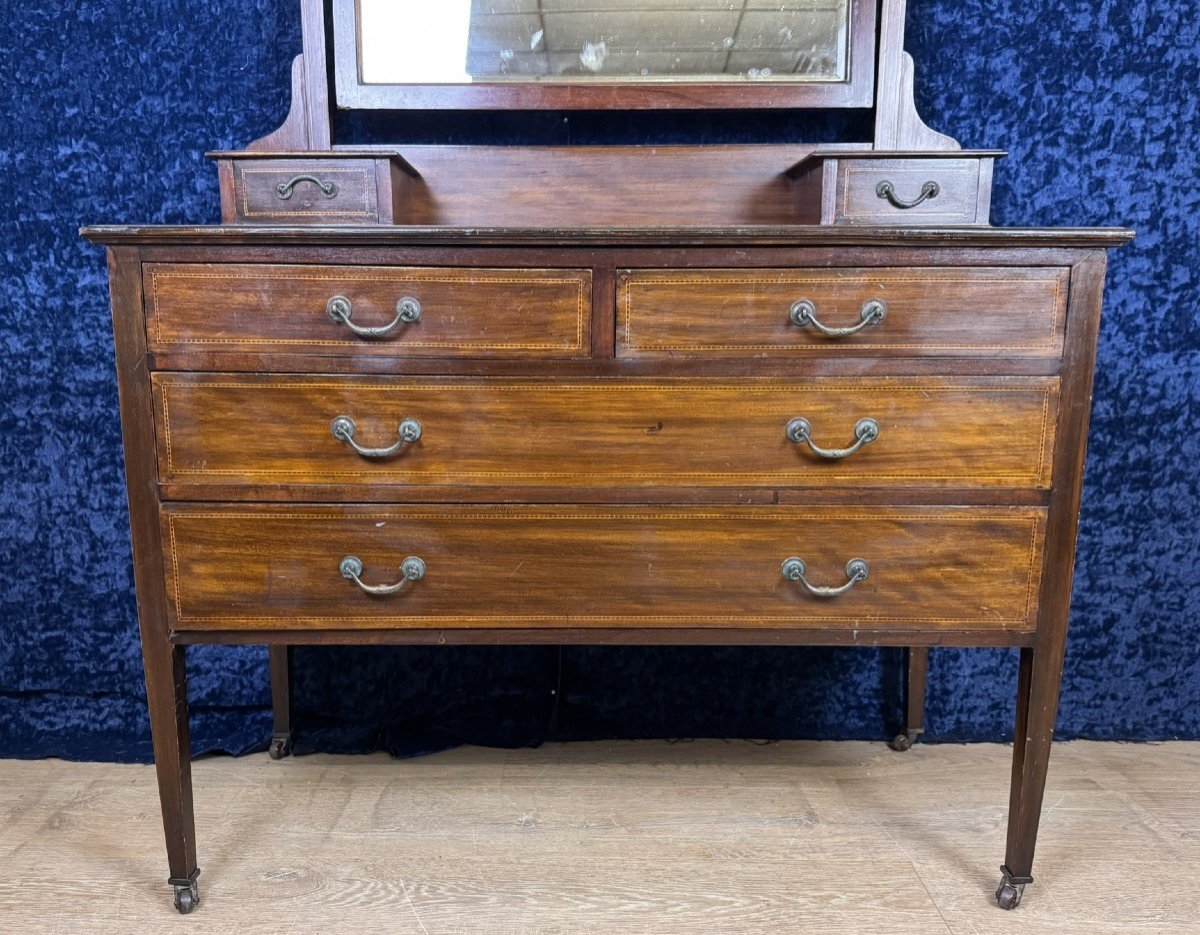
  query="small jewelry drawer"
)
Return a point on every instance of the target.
[
  {"x": 872, "y": 187},
  {"x": 368, "y": 310},
  {"x": 313, "y": 188},
  {"x": 326, "y": 567},
  {"x": 863, "y": 311},
  {"x": 372, "y": 438}
]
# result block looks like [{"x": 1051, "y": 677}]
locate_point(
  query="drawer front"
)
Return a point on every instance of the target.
[
  {"x": 899, "y": 191},
  {"x": 928, "y": 312},
  {"x": 461, "y": 312},
  {"x": 297, "y": 191},
  {"x": 232, "y": 568},
  {"x": 223, "y": 429}
]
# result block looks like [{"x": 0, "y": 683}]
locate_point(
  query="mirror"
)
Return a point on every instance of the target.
[{"x": 467, "y": 41}]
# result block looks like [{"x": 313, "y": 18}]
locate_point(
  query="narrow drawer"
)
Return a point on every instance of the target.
[
  {"x": 231, "y": 568},
  {"x": 325, "y": 188},
  {"x": 297, "y": 191},
  {"x": 225, "y": 429},
  {"x": 913, "y": 191},
  {"x": 886, "y": 312},
  {"x": 368, "y": 310}
]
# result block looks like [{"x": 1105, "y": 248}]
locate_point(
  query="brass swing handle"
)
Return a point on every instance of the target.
[
  {"x": 411, "y": 569},
  {"x": 799, "y": 432},
  {"x": 856, "y": 570},
  {"x": 887, "y": 191},
  {"x": 285, "y": 190},
  {"x": 343, "y": 429},
  {"x": 340, "y": 309},
  {"x": 804, "y": 313}
]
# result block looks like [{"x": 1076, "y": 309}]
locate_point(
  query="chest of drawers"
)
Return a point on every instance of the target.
[{"x": 774, "y": 436}]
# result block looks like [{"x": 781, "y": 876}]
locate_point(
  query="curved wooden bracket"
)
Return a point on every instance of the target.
[
  {"x": 293, "y": 133},
  {"x": 307, "y": 125},
  {"x": 898, "y": 126},
  {"x": 911, "y": 131}
]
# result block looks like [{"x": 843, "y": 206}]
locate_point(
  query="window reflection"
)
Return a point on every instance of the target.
[{"x": 460, "y": 41}]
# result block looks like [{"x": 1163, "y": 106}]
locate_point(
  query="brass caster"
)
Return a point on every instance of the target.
[
  {"x": 901, "y": 742},
  {"x": 281, "y": 746},
  {"x": 904, "y": 740},
  {"x": 187, "y": 892},
  {"x": 1011, "y": 889}
]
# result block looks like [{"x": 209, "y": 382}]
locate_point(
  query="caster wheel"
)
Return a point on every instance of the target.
[
  {"x": 187, "y": 897},
  {"x": 901, "y": 742},
  {"x": 1008, "y": 896},
  {"x": 281, "y": 746}
]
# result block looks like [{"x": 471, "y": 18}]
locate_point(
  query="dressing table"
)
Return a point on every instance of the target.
[{"x": 794, "y": 394}]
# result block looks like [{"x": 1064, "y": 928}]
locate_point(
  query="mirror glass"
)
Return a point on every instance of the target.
[{"x": 466, "y": 41}]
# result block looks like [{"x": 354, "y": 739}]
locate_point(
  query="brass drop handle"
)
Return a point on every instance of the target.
[
  {"x": 411, "y": 569},
  {"x": 285, "y": 190},
  {"x": 343, "y": 429},
  {"x": 887, "y": 191},
  {"x": 856, "y": 570},
  {"x": 339, "y": 309},
  {"x": 799, "y": 432},
  {"x": 804, "y": 313}
]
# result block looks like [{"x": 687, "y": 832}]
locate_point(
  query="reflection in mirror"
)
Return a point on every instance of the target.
[{"x": 464, "y": 41}]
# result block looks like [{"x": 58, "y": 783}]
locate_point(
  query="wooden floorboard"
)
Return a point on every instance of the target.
[{"x": 650, "y": 838}]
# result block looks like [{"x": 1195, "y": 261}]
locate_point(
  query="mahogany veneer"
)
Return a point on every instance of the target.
[
  {"x": 662, "y": 568},
  {"x": 228, "y": 429}
]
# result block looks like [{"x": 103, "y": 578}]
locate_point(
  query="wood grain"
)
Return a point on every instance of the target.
[
  {"x": 230, "y": 429},
  {"x": 965, "y": 311},
  {"x": 252, "y": 567},
  {"x": 464, "y": 312},
  {"x": 592, "y": 839}
]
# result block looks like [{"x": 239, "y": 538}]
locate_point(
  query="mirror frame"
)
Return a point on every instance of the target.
[{"x": 858, "y": 90}]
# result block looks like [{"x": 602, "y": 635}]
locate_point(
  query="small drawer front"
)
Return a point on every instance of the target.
[
  {"x": 231, "y": 568},
  {"x": 916, "y": 191},
  {"x": 226, "y": 429},
  {"x": 886, "y": 312},
  {"x": 280, "y": 191},
  {"x": 368, "y": 311}
]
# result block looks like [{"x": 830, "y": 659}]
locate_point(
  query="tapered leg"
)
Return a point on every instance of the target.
[
  {"x": 915, "y": 674},
  {"x": 281, "y": 701},
  {"x": 166, "y": 691},
  {"x": 1037, "y": 707}
]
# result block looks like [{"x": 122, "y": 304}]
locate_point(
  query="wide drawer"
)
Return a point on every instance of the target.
[
  {"x": 226, "y": 429},
  {"x": 894, "y": 312},
  {"x": 260, "y": 567},
  {"x": 414, "y": 311}
]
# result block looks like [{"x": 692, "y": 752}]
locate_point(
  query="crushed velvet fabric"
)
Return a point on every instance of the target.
[{"x": 108, "y": 111}]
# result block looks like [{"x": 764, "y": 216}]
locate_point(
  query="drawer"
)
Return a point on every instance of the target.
[
  {"x": 897, "y": 189},
  {"x": 316, "y": 188},
  {"x": 917, "y": 191},
  {"x": 893, "y": 312},
  {"x": 224, "y": 429},
  {"x": 329, "y": 310},
  {"x": 231, "y": 568}
]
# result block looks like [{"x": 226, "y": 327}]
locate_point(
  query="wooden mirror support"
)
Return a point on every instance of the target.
[{"x": 908, "y": 175}]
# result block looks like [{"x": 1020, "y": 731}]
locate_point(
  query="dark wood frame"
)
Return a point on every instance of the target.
[
  {"x": 898, "y": 126},
  {"x": 857, "y": 90}
]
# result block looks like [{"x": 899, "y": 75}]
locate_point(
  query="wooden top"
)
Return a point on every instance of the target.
[{"x": 768, "y": 236}]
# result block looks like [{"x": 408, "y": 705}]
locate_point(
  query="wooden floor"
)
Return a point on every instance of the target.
[{"x": 650, "y": 837}]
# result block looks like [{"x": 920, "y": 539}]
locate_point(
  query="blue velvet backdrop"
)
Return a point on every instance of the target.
[{"x": 110, "y": 108}]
